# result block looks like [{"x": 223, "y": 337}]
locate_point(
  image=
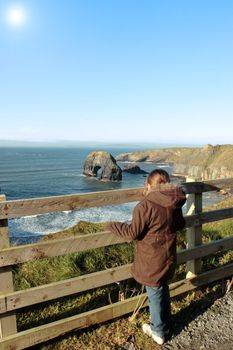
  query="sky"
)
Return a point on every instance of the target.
[{"x": 156, "y": 71}]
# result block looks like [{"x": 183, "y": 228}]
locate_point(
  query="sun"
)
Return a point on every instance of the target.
[{"x": 16, "y": 16}]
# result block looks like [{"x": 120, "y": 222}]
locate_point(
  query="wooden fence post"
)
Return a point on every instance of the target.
[
  {"x": 8, "y": 323},
  {"x": 193, "y": 234}
]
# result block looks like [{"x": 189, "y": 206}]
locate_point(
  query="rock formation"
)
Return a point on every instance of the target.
[
  {"x": 134, "y": 169},
  {"x": 95, "y": 161},
  {"x": 208, "y": 162}
]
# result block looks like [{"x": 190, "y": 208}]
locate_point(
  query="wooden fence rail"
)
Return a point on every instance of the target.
[
  {"x": 11, "y": 301},
  {"x": 16, "y": 300},
  {"x": 42, "y": 250},
  {"x": 35, "y": 206}
]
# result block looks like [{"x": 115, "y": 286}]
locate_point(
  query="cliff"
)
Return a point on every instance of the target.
[{"x": 204, "y": 163}]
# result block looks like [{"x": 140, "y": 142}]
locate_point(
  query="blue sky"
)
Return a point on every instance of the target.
[{"x": 117, "y": 71}]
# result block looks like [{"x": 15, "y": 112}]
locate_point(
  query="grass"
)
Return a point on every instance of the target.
[
  {"x": 120, "y": 333},
  {"x": 207, "y": 157},
  {"x": 115, "y": 334}
]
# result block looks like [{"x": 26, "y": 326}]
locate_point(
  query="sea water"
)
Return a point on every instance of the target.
[{"x": 42, "y": 172}]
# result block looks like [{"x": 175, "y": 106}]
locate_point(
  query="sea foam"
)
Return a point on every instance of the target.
[{"x": 55, "y": 222}]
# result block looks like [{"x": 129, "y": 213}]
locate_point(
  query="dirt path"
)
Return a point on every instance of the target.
[{"x": 211, "y": 330}]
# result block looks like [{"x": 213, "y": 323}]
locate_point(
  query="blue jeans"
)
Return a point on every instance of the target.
[{"x": 160, "y": 308}]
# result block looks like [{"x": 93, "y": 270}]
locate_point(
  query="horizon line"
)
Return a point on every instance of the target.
[{"x": 12, "y": 143}]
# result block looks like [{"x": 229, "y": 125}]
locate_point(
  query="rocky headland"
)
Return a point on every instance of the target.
[{"x": 208, "y": 162}]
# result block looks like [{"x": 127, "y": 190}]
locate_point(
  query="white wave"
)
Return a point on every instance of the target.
[
  {"x": 55, "y": 222},
  {"x": 127, "y": 161}
]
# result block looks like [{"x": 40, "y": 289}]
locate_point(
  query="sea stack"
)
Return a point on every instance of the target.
[
  {"x": 134, "y": 169},
  {"x": 110, "y": 171}
]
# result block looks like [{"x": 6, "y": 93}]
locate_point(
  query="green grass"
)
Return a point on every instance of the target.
[
  {"x": 116, "y": 334},
  {"x": 39, "y": 272},
  {"x": 208, "y": 156},
  {"x": 111, "y": 335}
]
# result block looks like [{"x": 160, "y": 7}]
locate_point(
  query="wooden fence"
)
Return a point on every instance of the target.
[{"x": 11, "y": 301}]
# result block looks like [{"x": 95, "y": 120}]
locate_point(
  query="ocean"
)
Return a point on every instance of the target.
[{"x": 41, "y": 172}]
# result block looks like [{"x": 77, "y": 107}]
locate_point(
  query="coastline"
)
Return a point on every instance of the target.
[
  {"x": 205, "y": 163},
  {"x": 41, "y": 173}
]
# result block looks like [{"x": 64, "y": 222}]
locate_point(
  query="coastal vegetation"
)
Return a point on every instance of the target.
[
  {"x": 45, "y": 271},
  {"x": 204, "y": 163}
]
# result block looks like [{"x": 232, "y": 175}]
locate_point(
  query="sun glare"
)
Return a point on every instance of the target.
[{"x": 16, "y": 16}]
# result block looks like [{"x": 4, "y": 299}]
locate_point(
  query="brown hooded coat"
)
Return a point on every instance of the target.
[{"x": 155, "y": 221}]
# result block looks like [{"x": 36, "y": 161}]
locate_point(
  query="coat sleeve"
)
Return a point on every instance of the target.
[
  {"x": 178, "y": 221},
  {"x": 132, "y": 231}
]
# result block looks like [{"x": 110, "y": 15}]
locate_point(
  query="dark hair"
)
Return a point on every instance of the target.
[{"x": 160, "y": 174}]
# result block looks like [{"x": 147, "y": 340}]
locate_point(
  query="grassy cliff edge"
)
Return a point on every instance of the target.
[{"x": 207, "y": 162}]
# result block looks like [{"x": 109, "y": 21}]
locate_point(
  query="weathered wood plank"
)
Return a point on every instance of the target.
[
  {"x": 23, "y": 253},
  {"x": 197, "y": 187},
  {"x": 35, "y": 206},
  {"x": 194, "y": 234},
  {"x": 221, "y": 183},
  {"x": 46, "y": 332},
  {"x": 216, "y": 215},
  {"x": 214, "y": 275},
  {"x": 192, "y": 220},
  {"x": 16, "y": 300},
  {"x": 205, "y": 250},
  {"x": 20, "y": 254},
  {"x": 208, "y": 216},
  {"x": 202, "y": 279},
  {"x": 60, "y": 289},
  {"x": 7, "y": 322},
  {"x": 49, "y": 331}
]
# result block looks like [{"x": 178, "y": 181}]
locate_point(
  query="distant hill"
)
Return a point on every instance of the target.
[{"x": 204, "y": 163}]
